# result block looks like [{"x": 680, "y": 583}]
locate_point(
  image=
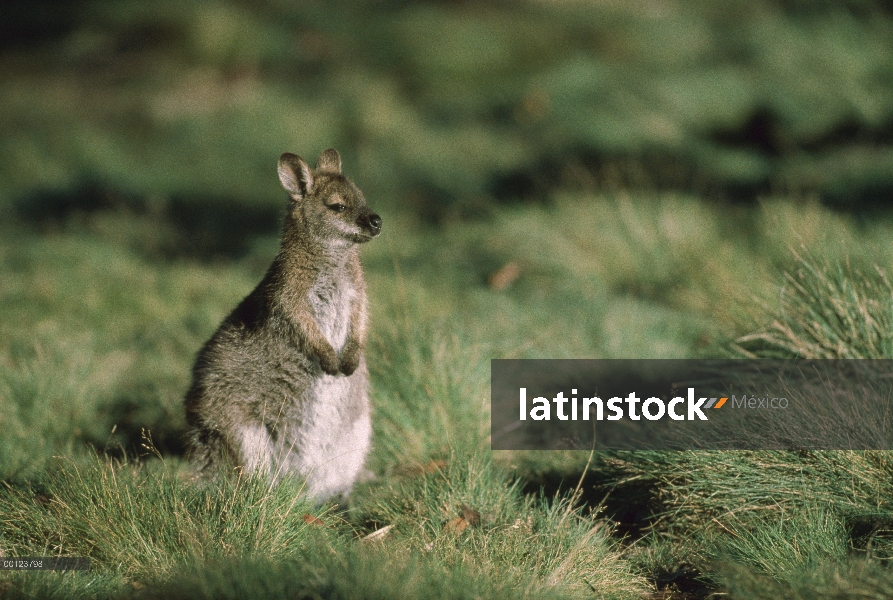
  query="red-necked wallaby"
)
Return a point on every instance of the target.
[{"x": 282, "y": 388}]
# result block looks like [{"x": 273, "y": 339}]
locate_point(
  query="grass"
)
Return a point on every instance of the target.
[
  {"x": 829, "y": 311},
  {"x": 96, "y": 363},
  {"x": 142, "y": 521}
]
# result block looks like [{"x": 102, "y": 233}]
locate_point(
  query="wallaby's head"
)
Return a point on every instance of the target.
[{"x": 326, "y": 203}]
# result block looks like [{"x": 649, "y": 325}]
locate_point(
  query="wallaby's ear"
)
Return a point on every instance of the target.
[
  {"x": 295, "y": 175},
  {"x": 329, "y": 161}
]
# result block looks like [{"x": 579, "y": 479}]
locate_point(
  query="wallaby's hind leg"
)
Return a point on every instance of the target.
[
  {"x": 256, "y": 449},
  {"x": 248, "y": 446}
]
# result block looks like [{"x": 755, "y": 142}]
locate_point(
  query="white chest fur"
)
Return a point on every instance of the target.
[{"x": 331, "y": 299}]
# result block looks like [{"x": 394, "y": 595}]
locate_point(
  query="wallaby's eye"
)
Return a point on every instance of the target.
[{"x": 337, "y": 207}]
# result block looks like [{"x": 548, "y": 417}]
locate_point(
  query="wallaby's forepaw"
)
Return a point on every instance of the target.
[
  {"x": 329, "y": 362},
  {"x": 349, "y": 362}
]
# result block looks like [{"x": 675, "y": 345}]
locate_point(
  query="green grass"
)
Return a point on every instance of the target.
[
  {"x": 101, "y": 334},
  {"x": 829, "y": 310},
  {"x": 144, "y": 520}
]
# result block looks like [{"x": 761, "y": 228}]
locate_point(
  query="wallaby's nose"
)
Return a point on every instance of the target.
[{"x": 375, "y": 224}]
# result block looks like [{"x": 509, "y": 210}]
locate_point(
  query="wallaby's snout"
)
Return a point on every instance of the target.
[{"x": 371, "y": 222}]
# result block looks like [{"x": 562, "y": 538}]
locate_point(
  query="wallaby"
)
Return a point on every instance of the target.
[{"x": 281, "y": 388}]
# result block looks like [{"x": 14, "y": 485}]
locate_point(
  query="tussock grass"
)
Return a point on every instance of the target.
[
  {"x": 139, "y": 520},
  {"x": 341, "y": 573},
  {"x": 702, "y": 490},
  {"x": 851, "y": 580},
  {"x": 787, "y": 543},
  {"x": 50, "y": 393},
  {"x": 745, "y": 516},
  {"x": 433, "y": 394},
  {"x": 828, "y": 310},
  {"x": 550, "y": 542},
  {"x": 95, "y": 340},
  {"x": 772, "y": 524}
]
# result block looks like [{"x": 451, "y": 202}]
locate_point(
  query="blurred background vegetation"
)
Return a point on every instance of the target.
[
  {"x": 557, "y": 179},
  {"x": 443, "y": 107}
]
